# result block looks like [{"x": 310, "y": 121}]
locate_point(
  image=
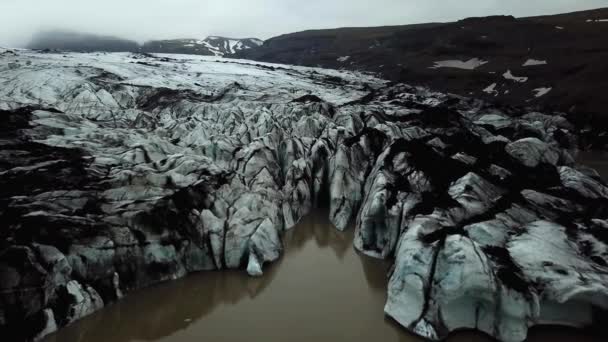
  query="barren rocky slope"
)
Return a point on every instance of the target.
[
  {"x": 555, "y": 62},
  {"x": 122, "y": 170}
]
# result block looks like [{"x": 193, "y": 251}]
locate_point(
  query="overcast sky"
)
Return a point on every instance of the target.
[{"x": 147, "y": 19}]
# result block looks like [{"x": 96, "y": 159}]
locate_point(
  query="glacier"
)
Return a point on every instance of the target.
[{"x": 123, "y": 170}]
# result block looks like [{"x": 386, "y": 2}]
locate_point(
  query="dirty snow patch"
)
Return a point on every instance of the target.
[
  {"x": 532, "y": 62},
  {"x": 256, "y": 41},
  {"x": 509, "y": 76},
  {"x": 232, "y": 44},
  {"x": 471, "y": 64},
  {"x": 343, "y": 59},
  {"x": 541, "y": 91},
  {"x": 491, "y": 89}
]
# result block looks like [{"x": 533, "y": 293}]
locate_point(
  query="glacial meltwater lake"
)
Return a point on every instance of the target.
[
  {"x": 597, "y": 160},
  {"x": 322, "y": 289}
]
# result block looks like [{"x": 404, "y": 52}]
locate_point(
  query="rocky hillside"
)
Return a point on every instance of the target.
[
  {"x": 210, "y": 46},
  {"x": 83, "y": 42},
  {"x": 553, "y": 62},
  {"x": 123, "y": 170},
  {"x": 80, "y": 42}
]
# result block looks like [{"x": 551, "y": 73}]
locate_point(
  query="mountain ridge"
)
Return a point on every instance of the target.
[
  {"x": 88, "y": 42},
  {"x": 80, "y": 42},
  {"x": 210, "y": 46}
]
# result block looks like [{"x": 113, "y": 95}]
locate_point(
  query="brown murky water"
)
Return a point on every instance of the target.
[
  {"x": 320, "y": 290},
  {"x": 597, "y": 160}
]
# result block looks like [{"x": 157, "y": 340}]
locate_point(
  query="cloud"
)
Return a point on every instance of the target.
[{"x": 157, "y": 19}]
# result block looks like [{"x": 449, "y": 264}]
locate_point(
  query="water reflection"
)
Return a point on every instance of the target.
[{"x": 321, "y": 290}]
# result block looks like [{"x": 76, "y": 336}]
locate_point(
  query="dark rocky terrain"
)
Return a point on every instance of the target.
[
  {"x": 123, "y": 170},
  {"x": 553, "y": 62}
]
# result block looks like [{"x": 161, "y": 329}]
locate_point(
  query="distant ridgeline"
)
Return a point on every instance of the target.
[
  {"x": 212, "y": 46},
  {"x": 83, "y": 42},
  {"x": 80, "y": 42}
]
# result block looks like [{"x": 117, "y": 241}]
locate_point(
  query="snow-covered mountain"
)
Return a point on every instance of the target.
[
  {"x": 86, "y": 42},
  {"x": 231, "y": 45},
  {"x": 210, "y": 46}
]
